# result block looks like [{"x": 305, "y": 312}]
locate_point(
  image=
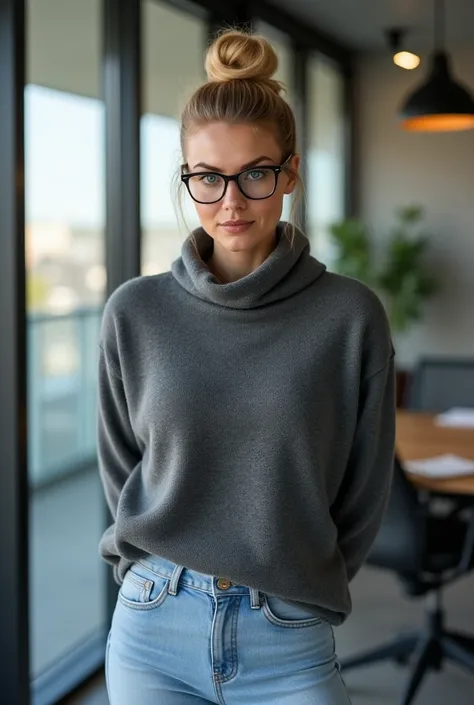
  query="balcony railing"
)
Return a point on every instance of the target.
[{"x": 62, "y": 392}]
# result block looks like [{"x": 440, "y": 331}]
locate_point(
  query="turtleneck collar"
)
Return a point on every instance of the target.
[{"x": 287, "y": 270}]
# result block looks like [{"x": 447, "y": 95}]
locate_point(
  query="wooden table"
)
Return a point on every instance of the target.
[{"x": 418, "y": 437}]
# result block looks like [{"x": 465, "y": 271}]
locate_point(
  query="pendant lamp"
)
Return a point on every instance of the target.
[
  {"x": 401, "y": 56},
  {"x": 441, "y": 104}
]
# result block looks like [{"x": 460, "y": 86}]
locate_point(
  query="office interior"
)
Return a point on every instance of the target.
[{"x": 90, "y": 97}]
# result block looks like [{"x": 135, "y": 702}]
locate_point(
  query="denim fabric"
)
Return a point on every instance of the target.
[{"x": 180, "y": 637}]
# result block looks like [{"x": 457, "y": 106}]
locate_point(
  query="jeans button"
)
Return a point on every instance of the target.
[{"x": 223, "y": 584}]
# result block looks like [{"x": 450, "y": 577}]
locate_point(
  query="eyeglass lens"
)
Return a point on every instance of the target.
[{"x": 255, "y": 183}]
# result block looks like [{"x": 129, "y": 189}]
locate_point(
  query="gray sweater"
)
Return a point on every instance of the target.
[{"x": 246, "y": 430}]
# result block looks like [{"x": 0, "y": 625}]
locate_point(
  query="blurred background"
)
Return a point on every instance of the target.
[{"x": 91, "y": 93}]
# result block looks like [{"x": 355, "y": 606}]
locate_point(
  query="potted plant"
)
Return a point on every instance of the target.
[{"x": 401, "y": 280}]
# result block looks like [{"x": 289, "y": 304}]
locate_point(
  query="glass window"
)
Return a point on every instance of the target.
[
  {"x": 65, "y": 214},
  {"x": 281, "y": 43},
  {"x": 326, "y": 154},
  {"x": 173, "y": 63}
]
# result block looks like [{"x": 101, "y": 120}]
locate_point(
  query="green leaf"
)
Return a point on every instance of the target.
[
  {"x": 402, "y": 282},
  {"x": 353, "y": 247}
]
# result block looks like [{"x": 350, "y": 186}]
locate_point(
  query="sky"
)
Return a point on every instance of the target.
[{"x": 64, "y": 161}]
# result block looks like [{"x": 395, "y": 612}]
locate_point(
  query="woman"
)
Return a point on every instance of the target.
[{"x": 246, "y": 426}]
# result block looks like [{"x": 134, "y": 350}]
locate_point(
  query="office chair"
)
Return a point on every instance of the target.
[
  {"x": 439, "y": 384},
  {"x": 427, "y": 553}
]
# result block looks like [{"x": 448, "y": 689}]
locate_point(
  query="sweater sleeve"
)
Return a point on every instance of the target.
[
  {"x": 118, "y": 450},
  {"x": 362, "y": 499}
]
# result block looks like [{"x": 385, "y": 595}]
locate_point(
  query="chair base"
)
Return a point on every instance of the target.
[{"x": 428, "y": 649}]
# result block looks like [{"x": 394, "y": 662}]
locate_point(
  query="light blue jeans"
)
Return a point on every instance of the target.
[{"x": 180, "y": 637}]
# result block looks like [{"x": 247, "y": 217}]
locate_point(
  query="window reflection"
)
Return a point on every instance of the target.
[
  {"x": 325, "y": 157},
  {"x": 64, "y": 241},
  {"x": 165, "y": 94},
  {"x": 282, "y": 47}
]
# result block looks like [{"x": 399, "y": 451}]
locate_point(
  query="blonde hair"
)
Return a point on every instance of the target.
[{"x": 240, "y": 89}]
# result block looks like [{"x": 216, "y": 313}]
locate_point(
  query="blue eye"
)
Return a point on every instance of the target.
[
  {"x": 257, "y": 174},
  {"x": 210, "y": 179}
]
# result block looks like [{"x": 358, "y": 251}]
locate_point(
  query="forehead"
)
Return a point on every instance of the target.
[{"x": 230, "y": 146}]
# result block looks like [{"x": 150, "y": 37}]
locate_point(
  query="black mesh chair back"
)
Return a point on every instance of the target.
[
  {"x": 439, "y": 384},
  {"x": 400, "y": 543}
]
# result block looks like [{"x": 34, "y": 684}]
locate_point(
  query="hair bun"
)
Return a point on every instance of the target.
[{"x": 238, "y": 55}]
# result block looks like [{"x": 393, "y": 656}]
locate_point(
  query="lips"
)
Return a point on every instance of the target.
[
  {"x": 237, "y": 222},
  {"x": 236, "y": 227}
]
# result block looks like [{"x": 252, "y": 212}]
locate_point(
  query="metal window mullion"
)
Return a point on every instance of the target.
[
  {"x": 351, "y": 161},
  {"x": 238, "y": 14},
  {"x": 14, "y": 496},
  {"x": 301, "y": 110},
  {"x": 122, "y": 96}
]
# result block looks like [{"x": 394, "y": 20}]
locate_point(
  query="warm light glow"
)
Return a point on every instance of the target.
[
  {"x": 406, "y": 60},
  {"x": 439, "y": 123}
]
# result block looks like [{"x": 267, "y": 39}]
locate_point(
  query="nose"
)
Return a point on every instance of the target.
[{"x": 234, "y": 198}]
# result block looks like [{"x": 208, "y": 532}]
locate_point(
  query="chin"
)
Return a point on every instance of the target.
[{"x": 237, "y": 243}]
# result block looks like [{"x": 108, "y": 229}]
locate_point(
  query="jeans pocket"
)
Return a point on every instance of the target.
[
  {"x": 284, "y": 614},
  {"x": 142, "y": 588}
]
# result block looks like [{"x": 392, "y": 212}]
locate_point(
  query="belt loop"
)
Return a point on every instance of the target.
[
  {"x": 254, "y": 599},
  {"x": 173, "y": 586}
]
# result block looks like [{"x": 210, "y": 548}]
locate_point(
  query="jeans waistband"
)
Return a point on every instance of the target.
[{"x": 180, "y": 575}]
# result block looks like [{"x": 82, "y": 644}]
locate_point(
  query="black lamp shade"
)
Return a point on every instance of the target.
[{"x": 440, "y": 104}]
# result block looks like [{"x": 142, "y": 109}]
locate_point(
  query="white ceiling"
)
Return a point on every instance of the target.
[{"x": 360, "y": 24}]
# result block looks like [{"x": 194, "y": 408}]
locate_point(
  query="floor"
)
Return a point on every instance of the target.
[
  {"x": 68, "y": 578},
  {"x": 379, "y": 612}
]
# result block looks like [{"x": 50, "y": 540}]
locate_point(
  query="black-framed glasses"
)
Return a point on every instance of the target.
[{"x": 256, "y": 183}]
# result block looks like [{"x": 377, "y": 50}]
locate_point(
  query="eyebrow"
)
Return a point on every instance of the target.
[{"x": 244, "y": 166}]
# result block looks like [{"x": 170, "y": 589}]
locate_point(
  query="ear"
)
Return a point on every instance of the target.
[{"x": 294, "y": 166}]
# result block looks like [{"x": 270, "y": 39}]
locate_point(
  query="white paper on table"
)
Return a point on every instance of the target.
[
  {"x": 441, "y": 466},
  {"x": 458, "y": 416}
]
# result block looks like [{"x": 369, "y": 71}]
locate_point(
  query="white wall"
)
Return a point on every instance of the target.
[{"x": 436, "y": 170}]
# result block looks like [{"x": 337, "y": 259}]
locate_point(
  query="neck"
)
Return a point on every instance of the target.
[{"x": 229, "y": 266}]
